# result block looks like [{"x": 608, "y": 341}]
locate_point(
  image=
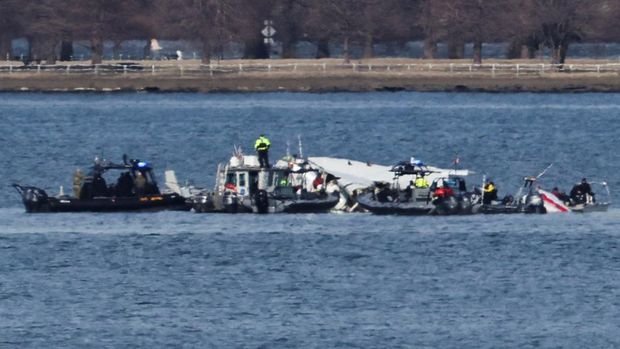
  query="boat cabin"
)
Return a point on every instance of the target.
[
  {"x": 107, "y": 179},
  {"x": 245, "y": 177},
  {"x": 456, "y": 183}
]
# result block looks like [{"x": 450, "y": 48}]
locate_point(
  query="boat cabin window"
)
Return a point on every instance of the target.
[
  {"x": 279, "y": 179},
  {"x": 231, "y": 178},
  {"x": 242, "y": 180},
  {"x": 253, "y": 176},
  {"x": 456, "y": 183},
  {"x": 453, "y": 182}
]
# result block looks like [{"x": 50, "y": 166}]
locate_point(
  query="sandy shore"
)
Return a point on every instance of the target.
[{"x": 307, "y": 80}]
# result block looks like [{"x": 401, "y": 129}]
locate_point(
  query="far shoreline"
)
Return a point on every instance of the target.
[
  {"x": 321, "y": 85},
  {"x": 387, "y": 75}
]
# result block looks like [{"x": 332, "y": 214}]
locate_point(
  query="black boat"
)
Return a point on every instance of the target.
[
  {"x": 447, "y": 195},
  {"x": 242, "y": 186},
  {"x": 134, "y": 190}
]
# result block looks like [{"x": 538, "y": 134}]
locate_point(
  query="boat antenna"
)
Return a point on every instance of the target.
[
  {"x": 604, "y": 184},
  {"x": 288, "y": 149},
  {"x": 484, "y": 180},
  {"x": 544, "y": 171},
  {"x": 456, "y": 162},
  {"x": 301, "y": 150}
]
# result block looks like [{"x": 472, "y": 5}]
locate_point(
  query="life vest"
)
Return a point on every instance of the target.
[
  {"x": 421, "y": 182},
  {"x": 489, "y": 188},
  {"x": 262, "y": 143}
]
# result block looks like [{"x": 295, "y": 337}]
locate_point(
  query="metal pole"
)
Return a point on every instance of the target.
[{"x": 484, "y": 179}]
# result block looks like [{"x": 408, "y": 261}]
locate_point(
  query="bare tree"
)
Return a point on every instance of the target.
[
  {"x": 352, "y": 21},
  {"x": 561, "y": 22},
  {"x": 10, "y": 25},
  {"x": 337, "y": 19},
  {"x": 211, "y": 23},
  {"x": 287, "y": 14},
  {"x": 100, "y": 20},
  {"x": 430, "y": 18},
  {"x": 45, "y": 25}
]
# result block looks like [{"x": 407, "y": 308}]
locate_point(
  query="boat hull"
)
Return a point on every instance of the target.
[
  {"x": 394, "y": 208},
  {"x": 234, "y": 204},
  {"x": 585, "y": 208},
  {"x": 36, "y": 200},
  {"x": 322, "y": 205}
]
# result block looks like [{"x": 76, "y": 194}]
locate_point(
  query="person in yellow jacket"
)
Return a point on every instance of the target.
[
  {"x": 490, "y": 193},
  {"x": 262, "y": 146},
  {"x": 420, "y": 181}
]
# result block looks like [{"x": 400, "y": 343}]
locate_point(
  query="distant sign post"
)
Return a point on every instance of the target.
[{"x": 268, "y": 32}]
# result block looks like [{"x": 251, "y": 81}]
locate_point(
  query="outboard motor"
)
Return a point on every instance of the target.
[
  {"x": 202, "y": 203},
  {"x": 34, "y": 199},
  {"x": 231, "y": 202},
  {"x": 533, "y": 203},
  {"x": 446, "y": 205},
  {"x": 261, "y": 200},
  {"x": 466, "y": 203}
]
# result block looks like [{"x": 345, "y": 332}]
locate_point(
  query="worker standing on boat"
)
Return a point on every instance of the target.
[
  {"x": 582, "y": 192},
  {"x": 420, "y": 181},
  {"x": 139, "y": 183},
  {"x": 490, "y": 193},
  {"x": 587, "y": 189},
  {"x": 262, "y": 146}
]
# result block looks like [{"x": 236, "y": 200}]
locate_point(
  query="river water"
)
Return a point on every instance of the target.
[{"x": 176, "y": 279}]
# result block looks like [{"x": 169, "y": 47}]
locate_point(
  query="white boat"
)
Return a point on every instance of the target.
[
  {"x": 243, "y": 186},
  {"x": 355, "y": 177},
  {"x": 580, "y": 202}
]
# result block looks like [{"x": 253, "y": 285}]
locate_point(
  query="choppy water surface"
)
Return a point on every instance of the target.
[{"x": 336, "y": 281}]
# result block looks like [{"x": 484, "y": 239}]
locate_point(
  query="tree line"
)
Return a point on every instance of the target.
[{"x": 51, "y": 26}]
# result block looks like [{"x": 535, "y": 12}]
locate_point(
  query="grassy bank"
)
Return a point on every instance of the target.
[{"x": 315, "y": 76}]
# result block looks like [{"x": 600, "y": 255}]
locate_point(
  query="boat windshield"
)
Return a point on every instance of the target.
[{"x": 231, "y": 177}]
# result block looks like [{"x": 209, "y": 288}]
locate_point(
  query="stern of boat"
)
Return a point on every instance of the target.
[{"x": 34, "y": 199}]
